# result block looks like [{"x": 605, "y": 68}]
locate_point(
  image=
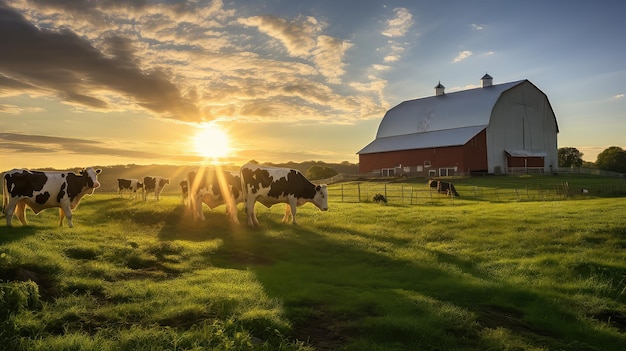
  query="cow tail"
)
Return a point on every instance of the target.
[{"x": 5, "y": 194}]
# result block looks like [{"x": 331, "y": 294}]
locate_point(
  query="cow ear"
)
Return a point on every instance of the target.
[
  {"x": 98, "y": 171},
  {"x": 318, "y": 188}
]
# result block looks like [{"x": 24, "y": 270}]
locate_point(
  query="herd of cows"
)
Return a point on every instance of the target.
[{"x": 40, "y": 190}]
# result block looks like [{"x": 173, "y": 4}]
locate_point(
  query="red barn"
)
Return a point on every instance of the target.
[{"x": 494, "y": 129}]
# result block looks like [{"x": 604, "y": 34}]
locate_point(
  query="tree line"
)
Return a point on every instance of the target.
[{"x": 611, "y": 159}]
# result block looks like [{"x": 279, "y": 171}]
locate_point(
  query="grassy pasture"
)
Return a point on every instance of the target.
[{"x": 462, "y": 275}]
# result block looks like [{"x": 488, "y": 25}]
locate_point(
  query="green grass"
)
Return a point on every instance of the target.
[{"x": 462, "y": 275}]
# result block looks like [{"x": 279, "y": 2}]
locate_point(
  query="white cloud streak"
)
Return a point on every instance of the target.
[{"x": 462, "y": 56}]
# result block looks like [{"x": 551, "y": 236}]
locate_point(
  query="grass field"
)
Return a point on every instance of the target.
[{"x": 462, "y": 275}]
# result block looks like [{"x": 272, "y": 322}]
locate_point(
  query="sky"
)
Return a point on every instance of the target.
[{"x": 86, "y": 83}]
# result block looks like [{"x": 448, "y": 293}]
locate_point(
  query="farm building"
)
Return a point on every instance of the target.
[{"x": 496, "y": 129}]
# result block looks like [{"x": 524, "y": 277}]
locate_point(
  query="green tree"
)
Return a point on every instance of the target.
[
  {"x": 612, "y": 159},
  {"x": 570, "y": 157},
  {"x": 320, "y": 172}
]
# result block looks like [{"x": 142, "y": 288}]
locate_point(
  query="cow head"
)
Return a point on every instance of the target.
[
  {"x": 91, "y": 177},
  {"x": 321, "y": 197}
]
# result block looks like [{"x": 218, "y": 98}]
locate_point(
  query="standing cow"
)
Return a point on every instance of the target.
[
  {"x": 184, "y": 189},
  {"x": 271, "y": 185},
  {"x": 214, "y": 188},
  {"x": 40, "y": 190},
  {"x": 130, "y": 185},
  {"x": 155, "y": 185}
]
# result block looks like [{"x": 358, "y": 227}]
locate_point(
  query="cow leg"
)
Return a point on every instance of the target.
[
  {"x": 252, "y": 220},
  {"x": 293, "y": 203},
  {"x": 287, "y": 213},
  {"x": 198, "y": 213},
  {"x": 65, "y": 208},
  {"x": 61, "y": 217},
  {"x": 20, "y": 211},
  {"x": 9, "y": 210}
]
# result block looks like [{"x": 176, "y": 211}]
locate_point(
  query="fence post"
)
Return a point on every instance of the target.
[
  {"x": 342, "y": 193},
  {"x": 358, "y": 186}
]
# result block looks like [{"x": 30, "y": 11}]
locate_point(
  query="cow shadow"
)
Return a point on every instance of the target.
[
  {"x": 368, "y": 282},
  {"x": 17, "y": 232}
]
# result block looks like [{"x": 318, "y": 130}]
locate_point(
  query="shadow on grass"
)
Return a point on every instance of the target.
[{"x": 340, "y": 295}]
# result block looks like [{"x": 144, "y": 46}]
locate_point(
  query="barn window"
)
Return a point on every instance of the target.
[
  {"x": 427, "y": 164},
  {"x": 419, "y": 168},
  {"x": 388, "y": 172},
  {"x": 432, "y": 173},
  {"x": 446, "y": 172}
]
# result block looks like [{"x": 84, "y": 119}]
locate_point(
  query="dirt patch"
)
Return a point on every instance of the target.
[
  {"x": 47, "y": 286},
  {"x": 323, "y": 330}
]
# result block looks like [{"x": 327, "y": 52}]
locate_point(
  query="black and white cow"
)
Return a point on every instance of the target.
[
  {"x": 214, "y": 188},
  {"x": 130, "y": 185},
  {"x": 443, "y": 187},
  {"x": 271, "y": 185},
  {"x": 154, "y": 185},
  {"x": 40, "y": 190},
  {"x": 184, "y": 189}
]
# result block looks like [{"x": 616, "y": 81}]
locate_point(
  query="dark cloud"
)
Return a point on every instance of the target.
[
  {"x": 28, "y": 143},
  {"x": 63, "y": 62}
]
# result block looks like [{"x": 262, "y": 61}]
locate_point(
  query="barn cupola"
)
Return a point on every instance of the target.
[
  {"x": 487, "y": 80},
  {"x": 439, "y": 89}
]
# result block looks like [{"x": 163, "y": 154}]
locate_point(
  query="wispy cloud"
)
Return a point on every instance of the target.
[
  {"x": 462, "y": 56},
  {"x": 400, "y": 24},
  {"x": 618, "y": 96},
  {"x": 475, "y": 26}
]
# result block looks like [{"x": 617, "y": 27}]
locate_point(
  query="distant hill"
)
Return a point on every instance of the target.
[{"x": 110, "y": 174}]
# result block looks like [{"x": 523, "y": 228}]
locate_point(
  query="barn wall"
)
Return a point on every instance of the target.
[
  {"x": 522, "y": 119},
  {"x": 475, "y": 154},
  {"x": 446, "y": 157}
]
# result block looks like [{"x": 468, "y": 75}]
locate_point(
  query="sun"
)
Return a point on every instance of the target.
[{"x": 211, "y": 141}]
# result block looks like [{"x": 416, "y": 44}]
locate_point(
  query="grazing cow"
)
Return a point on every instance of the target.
[
  {"x": 270, "y": 185},
  {"x": 40, "y": 190},
  {"x": 130, "y": 185},
  {"x": 443, "y": 187},
  {"x": 155, "y": 185},
  {"x": 214, "y": 188},
  {"x": 184, "y": 189}
]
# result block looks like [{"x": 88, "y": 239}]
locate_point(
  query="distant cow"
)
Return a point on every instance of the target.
[
  {"x": 40, "y": 190},
  {"x": 130, "y": 185},
  {"x": 184, "y": 189},
  {"x": 214, "y": 188},
  {"x": 443, "y": 187},
  {"x": 270, "y": 185},
  {"x": 155, "y": 185}
]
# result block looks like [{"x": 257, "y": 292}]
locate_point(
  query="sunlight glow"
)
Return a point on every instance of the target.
[{"x": 211, "y": 141}]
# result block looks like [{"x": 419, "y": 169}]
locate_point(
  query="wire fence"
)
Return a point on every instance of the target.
[{"x": 407, "y": 194}]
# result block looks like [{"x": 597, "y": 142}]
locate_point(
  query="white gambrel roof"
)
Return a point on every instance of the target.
[{"x": 437, "y": 121}]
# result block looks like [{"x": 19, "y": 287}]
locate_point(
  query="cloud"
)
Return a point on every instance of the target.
[
  {"x": 475, "y": 26},
  {"x": 462, "y": 56},
  {"x": 189, "y": 61},
  {"x": 400, "y": 24},
  {"x": 65, "y": 65},
  {"x": 31, "y": 143},
  {"x": 297, "y": 36},
  {"x": 618, "y": 96}
]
